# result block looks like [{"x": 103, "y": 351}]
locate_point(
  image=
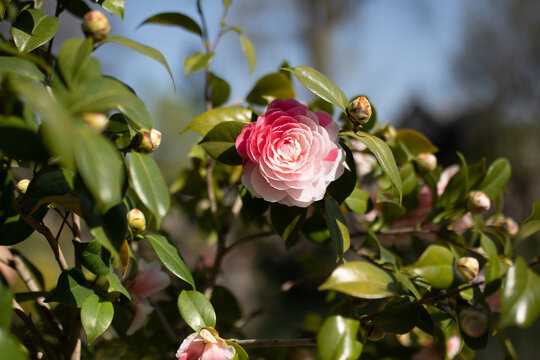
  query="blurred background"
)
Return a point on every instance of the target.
[{"x": 465, "y": 73}]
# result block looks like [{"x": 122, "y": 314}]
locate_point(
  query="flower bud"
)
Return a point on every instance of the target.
[
  {"x": 478, "y": 202},
  {"x": 136, "y": 220},
  {"x": 22, "y": 185},
  {"x": 96, "y": 121},
  {"x": 148, "y": 140},
  {"x": 96, "y": 25},
  {"x": 468, "y": 267},
  {"x": 474, "y": 322},
  {"x": 359, "y": 111},
  {"x": 509, "y": 225},
  {"x": 426, "y": 161}
]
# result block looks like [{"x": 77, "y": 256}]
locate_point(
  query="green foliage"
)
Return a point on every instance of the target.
[
  {"x": 96, "y": 316},
  {"x": 196, "y": 310},
  {"x": 33, "y": 29},
  {"x": 337, "y": 339},
  {"x": 270, "y": 87},
  {"x": 171, "y": 258},
  {"x": 174, "y": 19},
  {"x": 219, "y": 142},
  {"x": 435, "y": 265}
]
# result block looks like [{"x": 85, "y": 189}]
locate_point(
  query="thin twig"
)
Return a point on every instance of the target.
[
  {"x": 275, "y": 342},
  {"x": 36, "y": 334}
]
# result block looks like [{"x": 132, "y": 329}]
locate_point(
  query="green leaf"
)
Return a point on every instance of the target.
[
  {"x": 342, "y": 187},
  {"x": 520, "y": 299},
  {"x": 221, "y": 90},
  {"x": 5, "y": 307},
  {"x": 169, "y": 256},
  {"x": 219, "y": 142},
  {"x": 174, "y": 19},
  {"x": 339, "y": 232},
  {"x": 101, "y": 237},
  {"x": 371, "y": 242},
  {"x": 10, "y": 348},
  {"x": 116, "y": 285},
  {"x": 72, "y": 288},
  {"x": 497, "y": 176},
  {"x": 249, "y": 51},
  {"x": 531, "y": 225},
  {"x": 493, "y": 269},
  {"x": 457, "y": 188},
  {"x": 101, "y": 167},
  {"x": 384, "y": 156},
  {"x": 196, "y": 310},
  {"x": 362, "y": 280},
  {"x": 20, "y": 142},
  {"x": 270, "y": 87},
  {"x": 148, "y": 183},
  {"x": 359, "y": 201},
  {"x": 338, "y": 339},
  {"x": 113, "y": 6},
  {"x": 203, "y": 123},
  {"x": 435, "y": 265},
  {"x": 409, "y": 316},
  {"x": 16, "y": 229},
  {"x": 196, "y": 62},
  {"x": 240, "y": 352},
  {"x": 77, "y": 7},
  {"x": 93, "y": 257},
  {"x": 22, "y": 69},
  {"x": 415, "y": 142},
  {"x": 32, "y": 29},
  {"x": 320, "y": 85},
  {"x": 73, "y": 59},
  {"x": 142, "y": 49},
  {"x": 287, "y": 221},
  {"x": 96, "y": 316}
]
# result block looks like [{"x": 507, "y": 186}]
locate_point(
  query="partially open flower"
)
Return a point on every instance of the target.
[
  {"x": 474, "y": 322},
  {"x": 136, "y": 220},
  {"x": 359, "y": 111},
  {"x": 478, "y": 202},
  {"x": 468, "y": 267},
  {"x": 96, "y": 121},
  {"x": 96, "y": 25},
  {"x": 426, "y": 161},
  {"x": 22, "y": 185},
  {"x": 148, "y": 140},
  {"x": 205, "y": 345}
]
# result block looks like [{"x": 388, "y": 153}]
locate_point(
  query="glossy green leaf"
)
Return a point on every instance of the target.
[
  {"x": 196, "y": 62},
  {"x": 371, "y": 242},
  {"x": 196, "y": 310},
  {"x": 116, "y": 285},
  {"x": 113, "y": 6},
  {"x": 169, "y": 256},
  {"x": 73, "y": 59},
  {"x": 320, "y": 85},
  {"x": 22, "y": 69},
  {"x": 400, "y": 317},
  {"x": 457, "y": 188},
  {"x": 101, "y": 237},
  {"x": 493, "y": 269},
  {"x": 435, "y": 265},
  {"x": 287, "y": 221},
  {"x": 15, "y": 229},
  {"x": 531, "y": 225},
  {"x": 32, "y": 29},
  {"x": 221, "y": 90},
  {"x": 338, "y": 339},
  {"x": 5, "y": 307},
  {"x": 339, "y": 232},
  {"x": 240, "y": 352},
  {"x": 359, "y": 201},
  {"x": 148, "y": 183},
  {"x": 342, "y": 187},
  {"x": 385, "y": 158},
  {"x": 77, "y": 7},
  {"x": 520, "y": 299},
  {"x": 415, "y": 142},
  {"x": 203, "y": 123},
  {"x": 219, "y": 142},
  {"x": 20, "y": 142},
  {"x": 142, "y": 49},
  {"x": 101, "y": 168},
  {"x": 174, "y": 19},
  {"x": 496, "y": 178},
  {"x": 269, "y": 87},
  {"x": 93, "y": 257},
  {"x": 249, "y": 51},
  {"x": 96, "y": 316},
  {"x": 10, "y": 348},
  {"x": 362, "y": 280},
  {"x": 72, "y": 288}
]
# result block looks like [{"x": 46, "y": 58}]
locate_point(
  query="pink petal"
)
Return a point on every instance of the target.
[
  {"x": 218, "y": 351},
  {"x": 142, "y": 309}
]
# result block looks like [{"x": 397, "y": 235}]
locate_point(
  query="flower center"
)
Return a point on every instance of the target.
[{"x": 289, "y": 150}]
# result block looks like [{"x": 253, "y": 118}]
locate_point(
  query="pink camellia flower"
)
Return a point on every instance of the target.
[
  {"x": 205, "y": 345},
  {"x": 149, "y": 280},
  {"x": 290, "y": 154}
]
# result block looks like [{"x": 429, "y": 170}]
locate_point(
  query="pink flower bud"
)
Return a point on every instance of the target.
[
  {"x": 136, "y": 220},
  {"x": 474, "y": 322},
  {"x": 453, "y": 345},
  {"x": 96, "y": 121},
  {"x": 426, "y": 161},
  {"x": 22, "y": 186},
  {"x": 509, "y": 225},
  {"x": 148, "y": 140},
  {"x": 205, "y": 345},
  {"x": 96, "y": 25},
  {"x": 359, "y": 111},
  {"x": 478, "y": 202},
  {"x": 468, "y": 267}
]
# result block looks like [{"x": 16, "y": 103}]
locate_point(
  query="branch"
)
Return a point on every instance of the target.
[{"x": 275, "y": 342}]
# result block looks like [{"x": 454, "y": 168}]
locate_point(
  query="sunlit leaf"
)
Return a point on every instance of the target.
[
  {"x": 32, "y": 29},
  {"x": 415, "y": 142},
  {"x": 96, "y": 316},
  {"x": 203, "y": 123},
  {"x": 169, "y": 256},
  {"x": 219, "y": 142},
  {"x": 20, "y": 68},
  {"x": 196, "y": 62},
  {"x": 249, "y": 51},
  {"x": 174, "y": 19},
  {"x": 435, "y": 265},
  {"x": 337, "y": 226},
  {"x": 73, "y": 59},
  {"x": 271, "y": 86},
  {"x": 497, "y": 176},
  {"x": 113, "y": 6},
  {"x": 72, "y": 288},
  {"x": 196, "y": 310},
  {"x": 531, "y": 225},
  {"x": 338, "y": 339}
]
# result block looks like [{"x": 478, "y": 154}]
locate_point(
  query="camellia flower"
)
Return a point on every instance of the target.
[
  {"x": 290, "y": 154},
  {"x": 149, "y": 280},
  {"x": 205, "y": 345}
]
